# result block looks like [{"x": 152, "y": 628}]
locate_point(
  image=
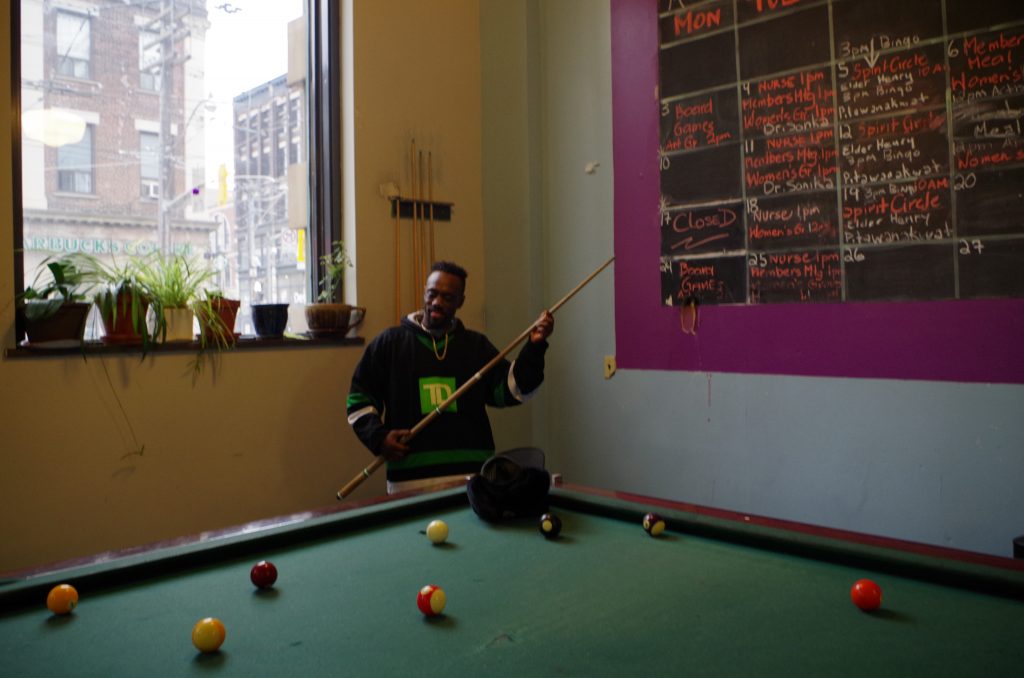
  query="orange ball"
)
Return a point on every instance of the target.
[
  {"x": 208, "y": 634},
  {"x": 62, "y": 599}
]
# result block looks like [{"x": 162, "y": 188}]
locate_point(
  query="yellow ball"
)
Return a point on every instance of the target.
[
  {"x": 62, "y": 599},
  {"x": 208, "y": 634},
  {"x": 654, "y": 524},
  {"x": 437, "y": 531}
]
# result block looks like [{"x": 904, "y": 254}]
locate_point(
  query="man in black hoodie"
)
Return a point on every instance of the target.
[{"x": 408, "y": 370}]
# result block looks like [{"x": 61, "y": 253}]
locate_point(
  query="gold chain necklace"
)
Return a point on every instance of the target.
[
  {"x": 442, "y": 354},
  {"x": 433, "y": 340}
]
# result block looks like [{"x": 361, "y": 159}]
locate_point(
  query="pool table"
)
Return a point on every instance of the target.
[{"x": 717, "y": 594}]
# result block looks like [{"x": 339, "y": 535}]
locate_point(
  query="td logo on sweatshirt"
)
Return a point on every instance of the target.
[{"x": 434, "y": 391}]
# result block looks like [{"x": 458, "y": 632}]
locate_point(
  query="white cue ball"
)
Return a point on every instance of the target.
[{"x": 437, "y": 531}]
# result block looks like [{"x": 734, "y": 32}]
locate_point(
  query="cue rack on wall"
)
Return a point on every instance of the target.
[{"x": 421, "y": 212}]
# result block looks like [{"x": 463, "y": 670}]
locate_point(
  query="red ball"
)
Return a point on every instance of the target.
[
  {"x": 431, "y": 600},
  {"x": 263, "y": 574},
  {"x": 866, "y": 595}
]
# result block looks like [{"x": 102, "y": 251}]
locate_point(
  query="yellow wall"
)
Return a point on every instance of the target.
[
  {"x": 417, "y": 76},
  {"x": 264, "y": 433}
]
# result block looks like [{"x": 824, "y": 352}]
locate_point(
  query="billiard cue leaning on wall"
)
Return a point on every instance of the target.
[
  {"x": 430, "y": 201},
  {"x": 398, "y": 258},
  {"x": 378, "y": 461},
  {"x": 413, "y": 198}
]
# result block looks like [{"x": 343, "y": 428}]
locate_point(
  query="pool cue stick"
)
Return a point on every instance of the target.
[
  {"x": 430, "y": 200},
  {"x": 398, "y": 258},
  {"x": 415, "y": 244},
  {"x": 379, "y": 460},
  {"x": 423, "y": 212}
]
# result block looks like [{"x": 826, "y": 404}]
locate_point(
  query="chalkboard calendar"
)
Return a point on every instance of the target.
[{"x": 840, "y": 150}]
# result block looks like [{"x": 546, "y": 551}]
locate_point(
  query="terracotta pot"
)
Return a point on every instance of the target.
[
  {"x": 333, "y": 320},
  {"x": 118, "y": 327},
  {"x": 66, "y": 326},
  {"x": 227, "y": 310}
]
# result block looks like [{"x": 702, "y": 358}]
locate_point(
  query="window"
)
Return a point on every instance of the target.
[
  {"x": 74, "y": 165},
  {"x": 149, "y": 164},
  {"x": 199, "y": 169},
  {"x": 74, "y": 45},
  {"x": 149, "y": 61}
]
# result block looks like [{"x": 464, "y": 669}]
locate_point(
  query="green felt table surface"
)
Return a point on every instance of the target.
[{"x": 605, "y": 599}]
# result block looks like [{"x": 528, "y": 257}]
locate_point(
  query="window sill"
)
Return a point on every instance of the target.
[
  {"x": 244, "y": 343},
  {"x": 75, "y": 195}
]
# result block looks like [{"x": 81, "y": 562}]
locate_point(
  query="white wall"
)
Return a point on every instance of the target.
[{"x": 928, "y": 461}]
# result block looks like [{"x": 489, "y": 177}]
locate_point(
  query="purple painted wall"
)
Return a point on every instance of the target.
[{"x": 968, "y": 341}]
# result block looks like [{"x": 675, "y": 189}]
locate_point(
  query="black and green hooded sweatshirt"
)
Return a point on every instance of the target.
[{"x": 406, "y": 373}]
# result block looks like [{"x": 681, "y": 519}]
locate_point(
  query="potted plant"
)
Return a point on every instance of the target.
[
  {"x": 120, "y": 297},
  {"x": 328, "y": 317},
  {"x": 173, "y": 283},
  {"x": 216, "y": 315},
  {"x": 270, "y": 320},
  {"x": 55, "y": 312}
]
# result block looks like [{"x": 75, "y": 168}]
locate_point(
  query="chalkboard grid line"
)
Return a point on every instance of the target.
[
  {"x": 951, "y": 147},
  {"x": 743, "y": 140},
  {"x": 691, "y": 151},
  {"x": 702, "y": 205},
  {"x": 711, "y": 255},
  {"x": 836, "y": 131}
]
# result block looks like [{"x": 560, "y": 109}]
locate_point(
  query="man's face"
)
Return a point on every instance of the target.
[{"x": 442, "y": 297}]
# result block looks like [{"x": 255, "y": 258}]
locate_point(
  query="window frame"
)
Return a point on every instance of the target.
[
  {"x": 323, "y": 103},
  {"x": 153, "y": 84},
  {"x": 148, "y": 157},
  {"x": 87, "y": 21},
  {"x": 90, "y": 134}
]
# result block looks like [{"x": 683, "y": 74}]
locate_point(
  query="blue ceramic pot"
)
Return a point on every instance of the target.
[{"x": 270, "y": 320}]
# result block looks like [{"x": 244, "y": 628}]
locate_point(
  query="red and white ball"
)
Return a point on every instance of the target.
[{"x": 431, "y": 600}]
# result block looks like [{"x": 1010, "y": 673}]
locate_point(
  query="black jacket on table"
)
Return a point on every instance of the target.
[{"x": 406, "y": 373}]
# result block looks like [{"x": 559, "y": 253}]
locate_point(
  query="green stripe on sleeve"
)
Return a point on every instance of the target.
[{"x": 357, "y": 399}]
